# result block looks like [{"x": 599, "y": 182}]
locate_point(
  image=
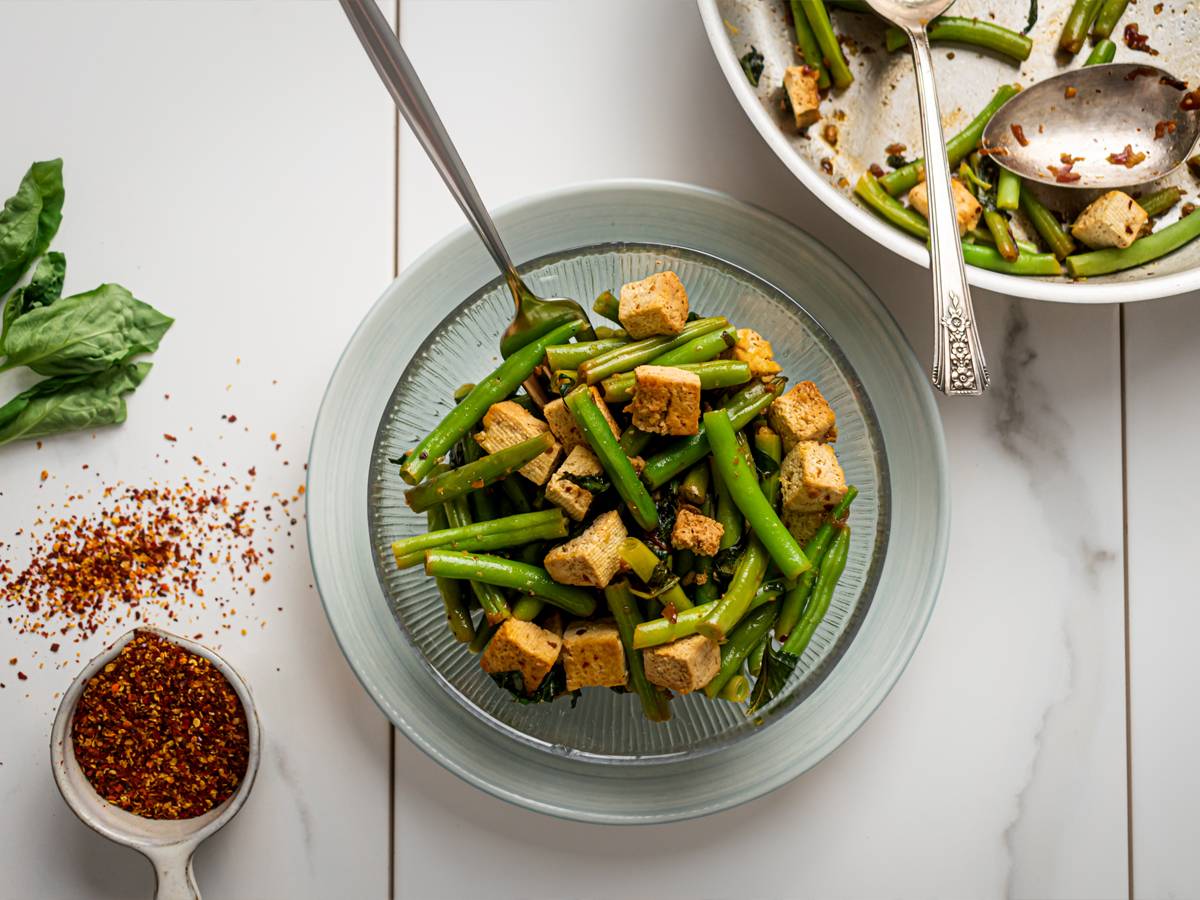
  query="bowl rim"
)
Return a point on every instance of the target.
[
  {"x": 1152, "y": 288},
  {"x": 591, "y": 795}
]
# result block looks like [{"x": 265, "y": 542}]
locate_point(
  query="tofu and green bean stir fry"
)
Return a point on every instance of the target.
[
  {"x": 1004, "y": 223},
  {"x": 673, "y": 521}
]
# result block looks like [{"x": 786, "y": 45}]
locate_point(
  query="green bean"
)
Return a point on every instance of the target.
[
  {"x": 453, "y": 600},
  {"x": 483, "y": 500},
  {"x": 508, "y": 573},
  {"x": 975, "y": 32},
  {"x": 643, "y": 562},
  {"x": 684, "y": 453},
  {"x": 754, "y": 661},
  {"x": 794, "y": 600},
  {"x": 717, "y": 373},
  {"x": 806, "y": 43},
  {"x": 663, "y": 630},
  {"x": 1105, "y": 51},
  {"x": 1160, "y": 201},
  {"x": 743, "y": 486},
  {"x": 979, "y": 235},
  {"x": 497, "y": 386},
  {"x": 694, "y": 487},
  {"x": 832, "y": 567},
  {"x": 701, "y": 349},
  {"x": 499, "y": 540},
  {"x": 475, "y": 475},
  {"x": 1046, "y": 225},
  {"x": 1140, "y": 252},
  {"x": 490, "y": 597},
  {"x": 870, "y": 189},
  {"x": 707, "y": 589},
  {"x": 1027, "y": 264},
  {"x": 511, "y": 527},
  {"x": 607, "y": 305},
  {"x": 736, "y": 689},
  {"x": 1083, "y": 13},
  {"x": 997, "y": 225},
  {"x": 734, "y": 651},
  {"x": 569, "y": 356},
  {"x": 623, "y": 606},
  {"x": 634, "y": 440},
  {"x": 906, "y": 177},
  {"x": 460, "y": 392},
  {"x": 528, "y": 608},
  {"x": 603, "y": 333},
  {"x": 1008, "y": 190},
  {"x": 599, "y": 436},
  {"x": 831, "y": 50},
  {"x": 483, "y": 637},
  {"x": 732, "y": 608},
  {"x": 514, "y": 491},
  {"x": 725, "y": 511},
  {"x": 631, "y": 355},
  {"x": 1107, "y": 18}
]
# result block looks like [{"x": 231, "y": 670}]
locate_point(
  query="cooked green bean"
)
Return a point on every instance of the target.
[
  {"x": 1008, "y": 190},
  {"x": 726, "y": 511},
  {"x": 870, "y": 189},
  {"x": 832, "y": 567},
  {"x": 634, "y": 440},
  {"x": 483, "y": 637},
  {"x": 528, "y": 608},
  {"x": 599, "y": 436},
  {"x": 484, "y": 504},
  {"x": 1044, "y": 222},
  {"x": 1083, "y": 13},
  {"x": 717, "y": 373},
  {"x": 643, "y": 562},
  {"x": 736, "y": 689},
  {"x": 570, "y": 356},
  {"x": 733, "y": 606},
  {"x": 684, "y": 453},
  {"x": 459, "y": 619},
  {"x": 997, "y": 225},
  {"x": 496, "y": 387},
  {"x": 508, "y": 573},
  {"x": 637, "y": 353},
  {"x": 513, "y": 488},
  {"x": 607, "y": 305},
  {"x": 1160, "y": 201},
  {"x": 705, "y": 347},
  {"x": 1105, "y": 51},
  {"x": 694, "y": 487},
  {"x": 623, "y": 606},
  {"x": 793, "y": 601},
  {"x": 975, "y": 32},
  {"x": 663, "y": 631},
  {"x": 1106, "y": 19},
  {"x": 806, "y": 43},
  {"x": 983, "y": 257},
  {"x": 831, "y": 50},
  {"x": 482, "y": 472},
  {"x": 494, "y": 534},
  {"x": 603, "y": 333},
  {"x": 490, "y": 597},
  {"x": 754, "y": 661},
  {"x": 734, "y": 651},
  {"x": 1140, "y": 252}
]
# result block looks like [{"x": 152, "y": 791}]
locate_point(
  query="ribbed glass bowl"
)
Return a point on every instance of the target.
[{"x": 462, "y": 348}]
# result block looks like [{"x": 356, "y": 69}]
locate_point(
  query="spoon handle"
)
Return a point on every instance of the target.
[
  {"x": 173, "y": 872},
  {"x": 398, "y": 75},
  {"x": 958, "y": 364}
]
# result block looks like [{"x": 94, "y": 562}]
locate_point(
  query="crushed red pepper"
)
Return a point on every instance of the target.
[
  {"x": 1127, "y": 157},
  {"x": 1135, "y": 40},
  {"x": 160, "y": 732}
]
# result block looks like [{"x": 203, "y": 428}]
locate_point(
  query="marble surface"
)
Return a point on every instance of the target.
[{"x": 235, "y": 164}]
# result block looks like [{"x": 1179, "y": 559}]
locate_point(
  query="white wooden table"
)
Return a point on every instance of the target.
[{"x": 238, "y": 165}]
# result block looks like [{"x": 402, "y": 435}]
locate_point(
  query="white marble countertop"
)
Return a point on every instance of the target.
[{"x": 239, "y": 166}]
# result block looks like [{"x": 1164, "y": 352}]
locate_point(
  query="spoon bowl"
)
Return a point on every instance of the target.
[
  {"x": 1094, "y": 114},
  {"x": 169, "y": 844}
]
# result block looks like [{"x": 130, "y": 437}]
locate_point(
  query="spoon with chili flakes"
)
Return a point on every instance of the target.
[
  {"x": 1103, "y": 126},
  {"x": 155, "y": 746}
]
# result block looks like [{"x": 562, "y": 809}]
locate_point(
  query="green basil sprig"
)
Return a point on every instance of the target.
[
  {"x": 43, "y": 289},
  {"x": 29, "y": 220},
  {"x": 70, "y": 403}
]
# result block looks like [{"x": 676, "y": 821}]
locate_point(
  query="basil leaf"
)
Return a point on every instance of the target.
[
  {"x": 29, "y": 220},
  {"x": 553, "y": 686},
  {"x": 752, "y": 65},
  {"x": 45, "y": 287},
  {"x": 84, "y": 333},
  {"x": 70, "y": 403},
  {"x": 595, "y": 484},
  {"x": 777, "y": 669}
]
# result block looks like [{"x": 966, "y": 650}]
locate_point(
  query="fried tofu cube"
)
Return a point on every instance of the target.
[
  {"x": 803, "y": 525},
  {"x": 753, "y": 348},
  {"x": 802, "y": 414},
  {"x": 566, "y": 494},
  {"x": 593, "y": 655},
  {"x": 966, "y": 207},
  {"x": 811, "y": 478},
  {"x": 592, "y": 559},
  {"x": 507, "y": 423},
  {"x": 522, "y": 647},
  {"x": 666, "y": 400},
  {"x": 683, "y": 666},
  {"x": 804, "y": 97},
  {"x": 1113, "y": 220},
  {"x": 564, "y": 427},
  {"x": 654, "y": 305},
  {"x": 696, "y": 532}
]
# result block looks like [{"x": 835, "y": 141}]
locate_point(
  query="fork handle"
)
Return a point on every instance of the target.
[{"x": 958, "y": 364}]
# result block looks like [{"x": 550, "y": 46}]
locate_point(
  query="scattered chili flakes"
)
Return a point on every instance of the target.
[
  {"x": 830, "y": 133},
  {"x": 1172, "y": 81},
  {"x": 22, "y": 676},
  {"x": 44, "y": 475},
  {"x": 1063, "y": 174},
  {"x": 169, "y": 437},
  {"x": 827, "y": 165},
  {"x": 1186, "y": 210},
  {"x": 1070, "y": 93},
  {"x": 1163, "y": 128},
  {"x": 160, "y": 732},
  {"x": 1135, "y": 40},
  {"x": 876, "y": 170},
  {"x": 1019, "y": 133},
  {"x": 1126, "y": 157},
  {"x": 1190, "y": 101}
]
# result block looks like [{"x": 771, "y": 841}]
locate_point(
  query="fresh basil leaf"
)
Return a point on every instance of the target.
[
  {"x": 764, "y": 463},
  {"x": 777, "y": 669},
  {"x": 84, "y": 333},
  {"x": 596, "y": 484},
  {"x": 29, "y": 220},
  {"x": 652, "y": 591},
  {"x": 553, "y": 686},
  {"x": 725, "y": 562},
  {"x": 1031, "y": 18},
  {"x": 45, "y": 288},
  {"x": 752, "y": 65},
  {"x": 70, "y": 403}
]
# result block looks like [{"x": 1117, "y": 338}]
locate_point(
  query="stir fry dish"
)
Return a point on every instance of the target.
[
  {"x": 672, "y": 521},
  {"x": 1004, "y": 224}
]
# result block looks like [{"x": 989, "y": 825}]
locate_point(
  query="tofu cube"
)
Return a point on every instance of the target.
[
  {"x": 654, "y": 305},
  {"x": 696, "y": 532},
  {"x": 811, "y": 478},
  {"x": 666, "y": 400},
  {"x": 753, "y": 348},
  {"x": 563, "y": 426},
  {"x": 800, "y": 85},
  {"x": 507, "y": 423},
  {"x": 566, "y": 494},
  {"x": 966, "y": 207},
  {"x": 803, "y": 525},
  {"x": 593, "y": 655},
  {"x": 683, "y": 666},
  {"x": 1113, "y": 220},
  {"x": 522, "y": 647},
  {"x": 802, "y": 414},
  {"x": 592, "y": 559}
]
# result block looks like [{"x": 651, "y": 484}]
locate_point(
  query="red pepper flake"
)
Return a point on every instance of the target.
[
  {"x": 253, "y": 471},
  {"x": 54, "y": 648},
  {"x": 1186, "y": 210},
  {"x": 1172, "y": 81},
  {"x": 830, "y": 133},
  {"x": 232, "y": 418},
  {"x": 827, "y": 166},
  {"x": 1135, "y": 40},
  {"x": 1191, "y": 101},
  {"x": 1070, "y": 93},
  {"x": 169, "y": 437},
  {"x": 670, "y": 613},
  {"x": 13, "y": 661},
  {"x": 1163, "y": 128},
  {"x": 1126, "y": 157},
  {"x": 876, "y": 170},
  {"x": 266, "y": 577},
  {"x": 1063, "y": 174},
  {"x": 22, "y": 676},
  {"x": 1019, "y": 133},
  {"x": 894, "y": 149}
]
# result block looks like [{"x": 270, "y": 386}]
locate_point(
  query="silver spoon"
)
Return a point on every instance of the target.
[
  {"x": 959, "y": 368},
  {"x": 534, "y": 316},
  {"x": 1091, "y": 114}
]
